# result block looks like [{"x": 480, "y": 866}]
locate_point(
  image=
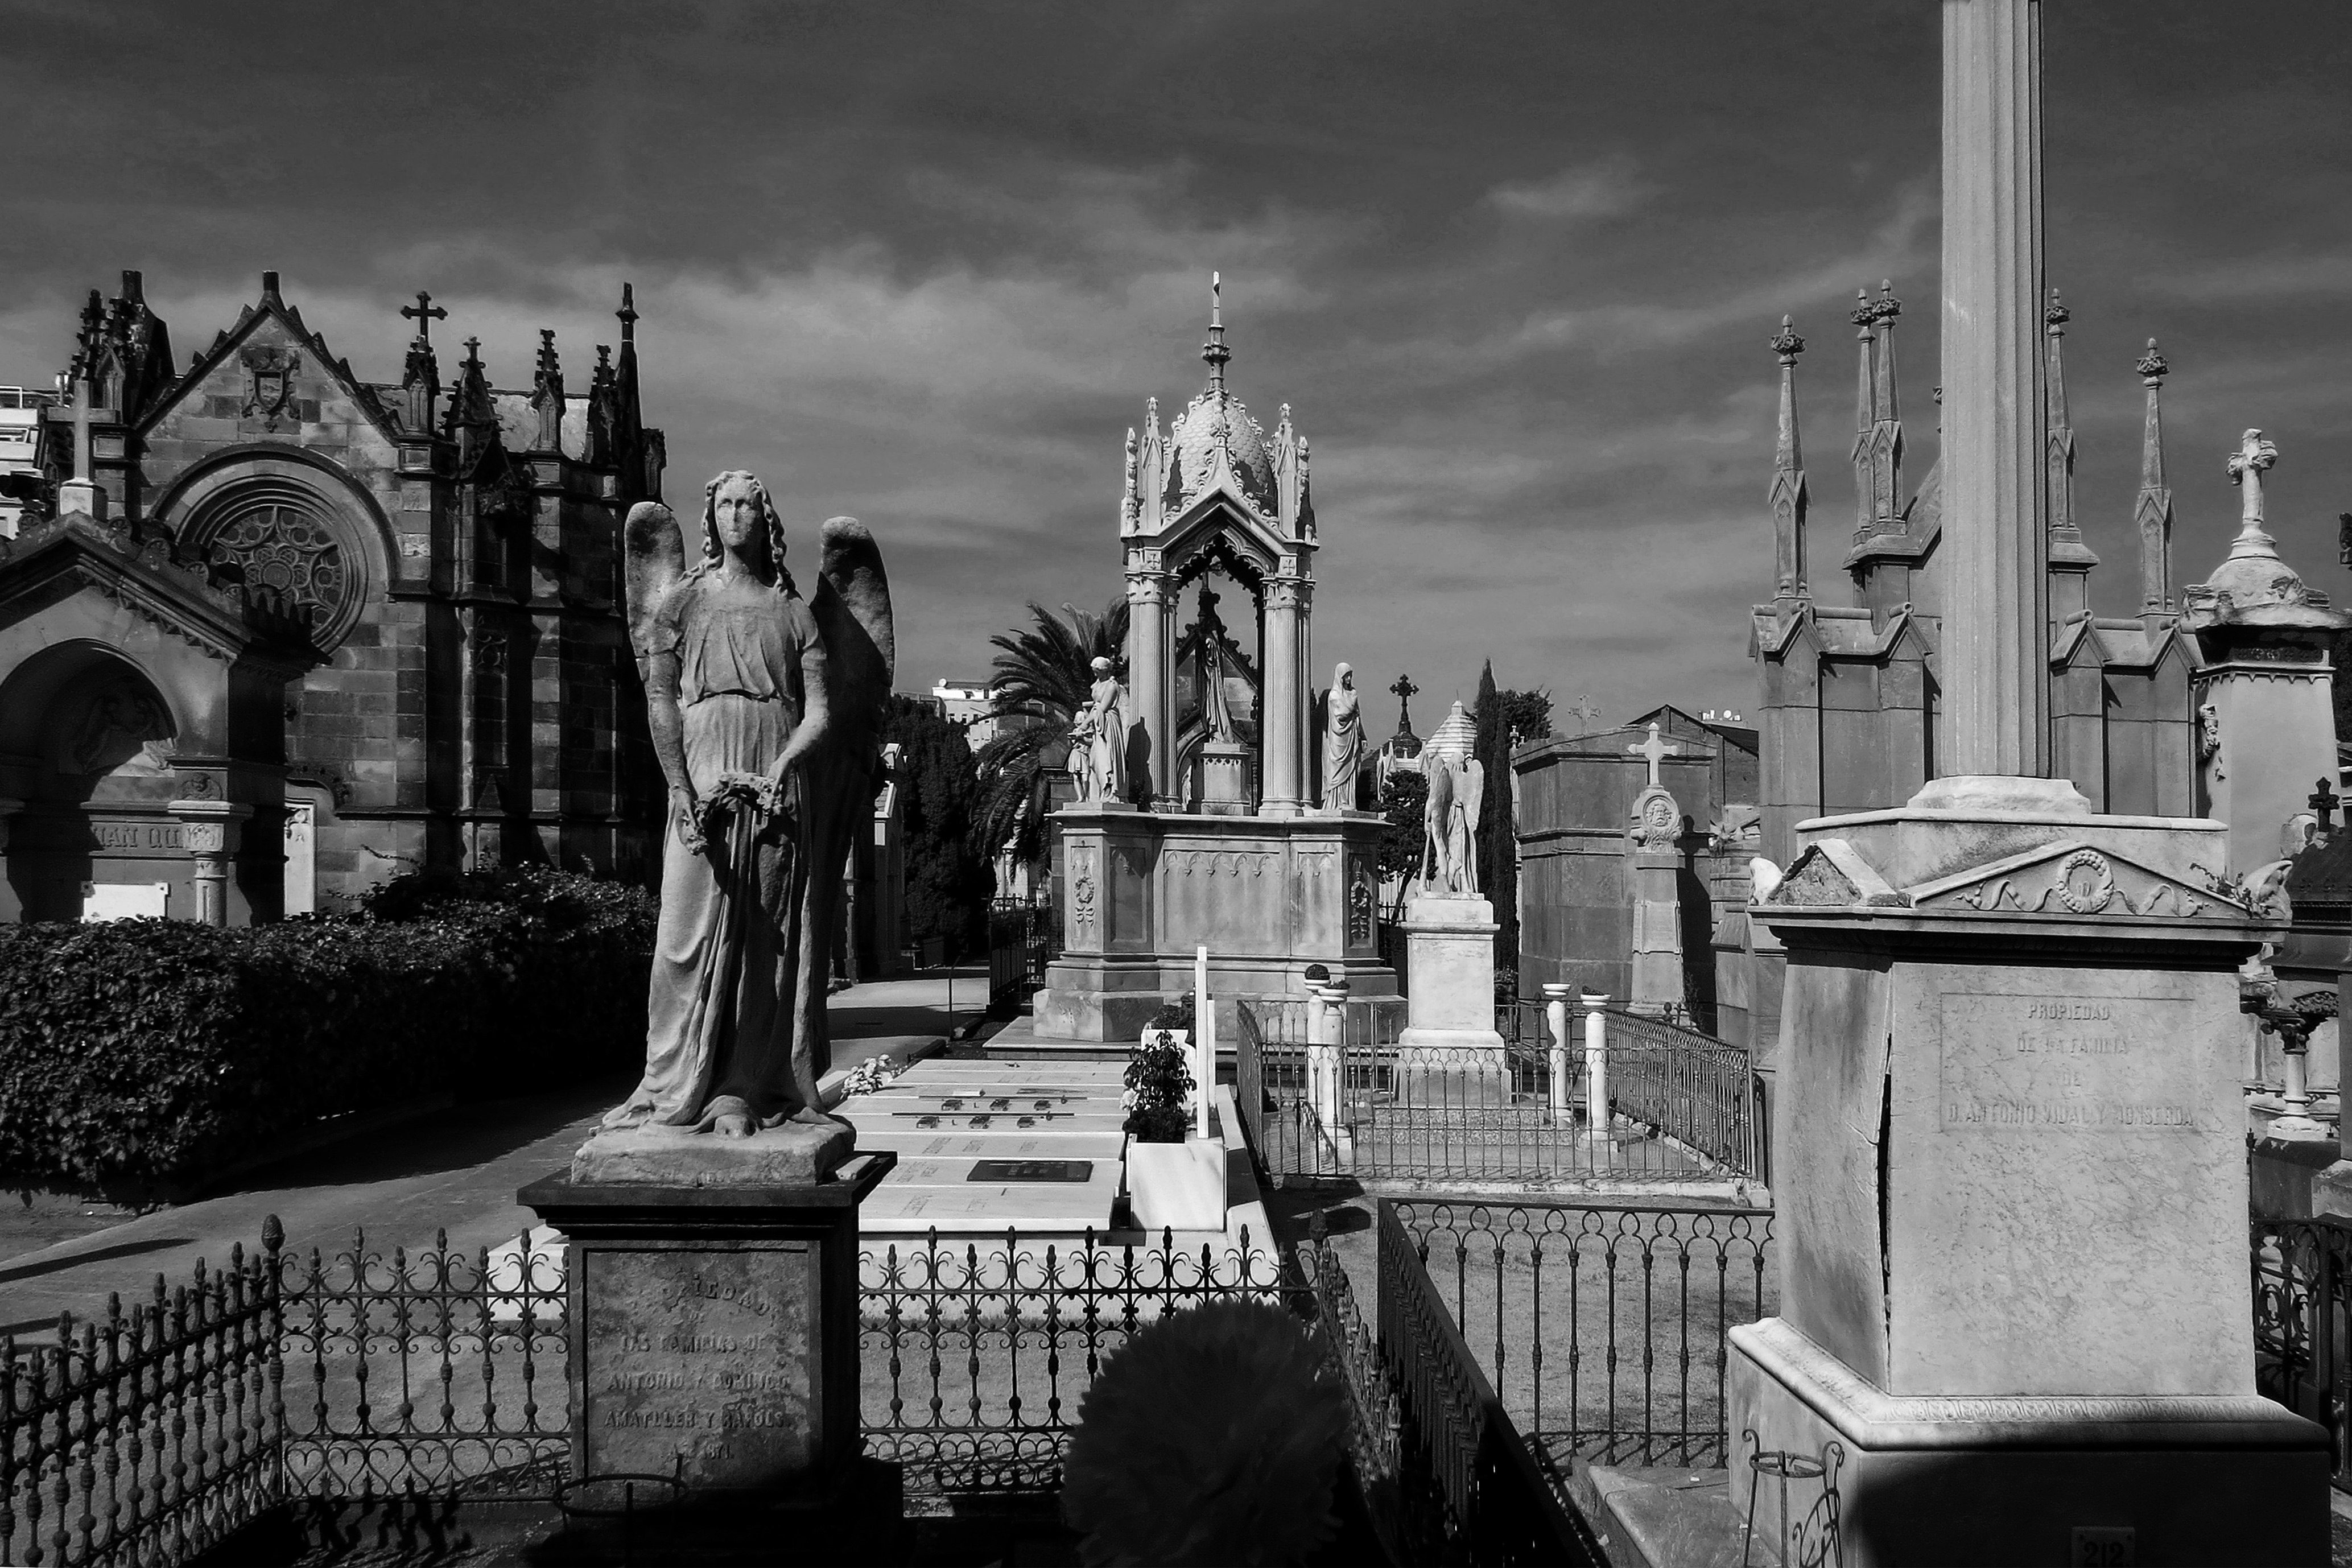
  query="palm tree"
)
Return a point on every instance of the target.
[{"x": 1044, "y": 676}]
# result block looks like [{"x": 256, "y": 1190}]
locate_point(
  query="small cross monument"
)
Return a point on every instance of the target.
[{"x": 1657, "y": 750}]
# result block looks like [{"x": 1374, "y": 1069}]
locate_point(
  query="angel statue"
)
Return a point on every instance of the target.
[
  {"x": 766, "y": 713},
  {"x": 1450, "y": 825}
]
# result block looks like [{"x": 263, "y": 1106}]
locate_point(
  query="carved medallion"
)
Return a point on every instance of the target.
[{"x": 270, "y": 383}]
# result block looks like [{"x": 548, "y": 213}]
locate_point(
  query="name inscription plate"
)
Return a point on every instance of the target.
[
  {"x": 2018, "y": 1063},
  {"x": 703, "y": 1356}
]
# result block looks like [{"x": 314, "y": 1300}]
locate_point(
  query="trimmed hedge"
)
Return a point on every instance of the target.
[{"x": 139, "y": 1056}]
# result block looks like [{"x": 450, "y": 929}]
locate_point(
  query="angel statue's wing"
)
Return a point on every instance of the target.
[
  {"x": 850, "y": 602},
  {"x": 652, "y": 558}
]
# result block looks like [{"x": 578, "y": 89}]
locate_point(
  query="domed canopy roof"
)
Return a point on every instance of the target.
[{"x": 1215, "y": 421}]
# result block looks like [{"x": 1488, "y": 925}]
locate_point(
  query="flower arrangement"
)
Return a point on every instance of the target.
[
  {"x": 870, "y": 1075},
  {"x": 1160, "y": 1079}
]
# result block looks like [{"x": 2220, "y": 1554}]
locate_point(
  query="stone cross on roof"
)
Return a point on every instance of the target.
[
  {"x": 1657, "y": 751},
  {"x": 2246, "y": 464},
  {"x": 425, "y": 313}
]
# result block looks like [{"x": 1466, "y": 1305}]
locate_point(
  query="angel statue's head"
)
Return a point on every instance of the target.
[{"x": 737, "y": 515}]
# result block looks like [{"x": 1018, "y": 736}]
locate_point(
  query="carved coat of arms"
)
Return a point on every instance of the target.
[{"x": 270, "y": 383}]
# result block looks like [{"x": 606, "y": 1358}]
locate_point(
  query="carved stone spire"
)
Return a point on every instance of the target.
[
  {"x": 1866, "y": 412},
  {"x": 547, "y": 394},
  {"x": 2152, "y": 516},
  {"x": 1214, "y": 351},
  {"x": 1130, "y": 498},
  {"x": 636, "y": 482},
  {"x": 1787, "y": 495},
  {"x": 2070, "y": 559}
]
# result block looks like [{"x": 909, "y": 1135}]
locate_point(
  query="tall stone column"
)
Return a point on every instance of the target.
[
  {"x": 209, "y": 834},
  {"x": 1149, "y": 672},
  {"x": 1995, "y": 665},
  {"x": 1282, "y": 725}
]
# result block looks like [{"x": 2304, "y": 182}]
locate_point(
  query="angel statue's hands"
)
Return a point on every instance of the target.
[{"x": 685, "y": 816}]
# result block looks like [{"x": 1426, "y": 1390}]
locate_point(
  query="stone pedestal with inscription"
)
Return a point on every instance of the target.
[
  {"x": 2011, "y": 1171},
  {"x": 714, "y": 1322},
  {"x": 1268, "y": 895}
]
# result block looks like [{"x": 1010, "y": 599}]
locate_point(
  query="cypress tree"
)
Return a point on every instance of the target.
[{"x": 1499, "y": 854}]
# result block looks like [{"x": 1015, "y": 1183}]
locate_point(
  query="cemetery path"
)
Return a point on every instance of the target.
[{"x": 456, "y": 1169}]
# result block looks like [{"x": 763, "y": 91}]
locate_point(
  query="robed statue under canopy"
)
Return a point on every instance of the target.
[{"x": 765, "y": 710}]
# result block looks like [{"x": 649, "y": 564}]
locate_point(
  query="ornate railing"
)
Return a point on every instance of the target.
[
  {"x": 1470, "y": 1489},
  {"x": 1684, "y": 1086},
  {"x": 1022, "y": 939},
  {"x": 148, "y": 1435},
  {"x": 1327, "y": 1090},
  {"x": 974, "y": 1355},
  {"x": 438, "y": 1372},
  {"x": 2303, "y": 1324},
  {"x": 1603, "y": 1325}
]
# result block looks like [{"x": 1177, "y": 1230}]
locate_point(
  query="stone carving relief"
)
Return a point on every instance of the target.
[
  {"x": 1210, "y": 862},
  {"x": 124, "y": 732},
  {"x": 2209, "y": 740},
  {"x": 1082, "y": 915},
  {"x": 1360, "y": 899},
  {"x": 270, "y": 383},
  {"x": 2082, "y": 881},
  {"x": 1657, "y": 820}
]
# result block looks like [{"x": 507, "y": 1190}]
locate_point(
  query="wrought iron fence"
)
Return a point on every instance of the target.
[
  {"x": 1022, "y": 939},
  {"x": 438, "y": 1372},
  {"x": 1684, "y": 1086},
  {"x": 1602, "y": 1325},
  {"x": 2303, "y": 1324},
  {"x": 1470, "y": 1487},
  {"x": 974, "y": 1357},
  {"x": 1327, "y": 1090},
  {"x": 149, "y": 1435}
]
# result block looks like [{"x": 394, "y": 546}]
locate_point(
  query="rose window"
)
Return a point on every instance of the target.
[{"x": 288, "y": 552}]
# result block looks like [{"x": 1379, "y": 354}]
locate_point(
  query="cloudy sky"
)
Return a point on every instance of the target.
[{"x": 1513, "y": 266}]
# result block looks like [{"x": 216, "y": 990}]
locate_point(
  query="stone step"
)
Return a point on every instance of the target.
[
  {"x": 986, "y": 1210},
  {"x": 925, "y": 1144}
]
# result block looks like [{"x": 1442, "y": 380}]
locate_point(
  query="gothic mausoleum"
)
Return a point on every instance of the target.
[
  {"x": 1222, "y": 839},
  {"x": 271, "y": 633}
]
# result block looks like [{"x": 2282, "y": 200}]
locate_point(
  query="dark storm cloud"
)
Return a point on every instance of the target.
[{"x": 1512, "y": 264}]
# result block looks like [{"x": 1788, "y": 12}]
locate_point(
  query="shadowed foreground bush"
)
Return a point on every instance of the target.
[{"x": 143, "y": 1056}]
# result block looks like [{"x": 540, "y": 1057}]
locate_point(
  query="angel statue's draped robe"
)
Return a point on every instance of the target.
[{"x": 728, "y": 953}]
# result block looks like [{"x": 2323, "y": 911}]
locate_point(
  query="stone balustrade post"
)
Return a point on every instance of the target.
[
  {"x": 210, "y": 831},
  {"x": 1596, "y": 1066},
  {"x": 1556, "y": 1000}
]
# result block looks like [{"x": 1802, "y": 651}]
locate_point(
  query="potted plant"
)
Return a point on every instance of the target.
[{"x": 1173, "y": 1181}]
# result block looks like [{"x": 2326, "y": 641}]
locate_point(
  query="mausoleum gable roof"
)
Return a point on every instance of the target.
[{"x": 249, "y": 320}]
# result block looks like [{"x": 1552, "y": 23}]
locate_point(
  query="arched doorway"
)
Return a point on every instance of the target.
[{"x": 92, "y": 739}]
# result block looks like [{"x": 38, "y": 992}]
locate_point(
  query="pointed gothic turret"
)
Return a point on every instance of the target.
[
  {"x": 600, "y": 447},
  {"x": 472, "y": 419},
  {"x": 1787, "y": 495},
  {"x": 1866, "y": 412},
  {"x": 547, "y": 395},
  {"x": 2152, "y": 514},
  {"x": 640, "y": 473},
  {"x": 1885, "y": 556},
  {"x": 2070, "y": 559},
  {"x": 420, "y": 386}
]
